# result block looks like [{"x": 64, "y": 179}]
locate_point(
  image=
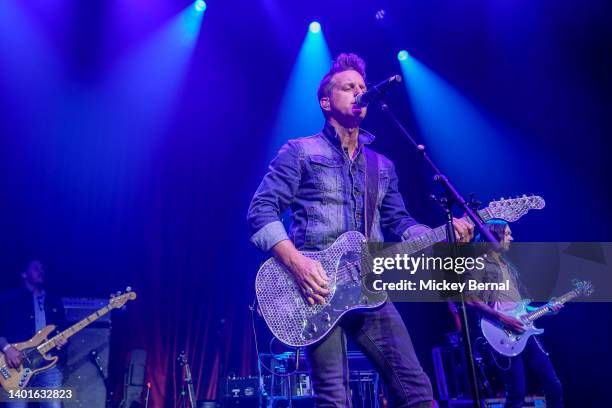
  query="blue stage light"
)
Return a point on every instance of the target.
[
  {"x": 402, "y": 55},
  {"x": 299, "y": 112},
  {"x": 315, "y": 27},
  {"x": 200, "y": 5}
]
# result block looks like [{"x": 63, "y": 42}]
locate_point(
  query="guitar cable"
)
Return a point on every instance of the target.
[
  {"x": 262, "y": 390},
  {"x": 486, "y": 346},
  {"x": 252, "y": 308}
]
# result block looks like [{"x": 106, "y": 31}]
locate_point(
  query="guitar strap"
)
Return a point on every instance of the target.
[{"x": 371, "y": 195}]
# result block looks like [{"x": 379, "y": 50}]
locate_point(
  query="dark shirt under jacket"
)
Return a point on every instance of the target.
[{"x": 17, "y": 322}]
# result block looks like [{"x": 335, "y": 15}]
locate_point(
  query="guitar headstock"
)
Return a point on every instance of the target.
[
  {"x": 182, "y": 358},
  {"x": 119, "y": 299},
  {"x": 512, "y": 209},
  {"x": 584, "y": 288}
]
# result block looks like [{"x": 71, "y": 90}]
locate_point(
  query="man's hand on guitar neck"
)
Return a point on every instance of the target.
[
  {"x": 60, "y": 342},
  {"x": 13, "y": 357},
  {"x": 309, "y": 274},
  {"x": 464, "y": 229}
]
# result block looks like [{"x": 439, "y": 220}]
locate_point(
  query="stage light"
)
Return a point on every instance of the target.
[
  {"x": 315, "y": 27},
  {"x": 454, "y": 127},
  {"x": 402, "y": 55},
  {"x": 380, "y": 14},
  {"x": 200, "y": 5},
  {"x": 299, "y": 112}
]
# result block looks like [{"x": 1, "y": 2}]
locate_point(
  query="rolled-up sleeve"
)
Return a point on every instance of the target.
[
  {"x": 395, "y": 220},
  {"x": 273, "y": 196}
]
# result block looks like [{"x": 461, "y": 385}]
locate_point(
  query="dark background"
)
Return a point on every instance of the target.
[{"x": 124, "y": 177}]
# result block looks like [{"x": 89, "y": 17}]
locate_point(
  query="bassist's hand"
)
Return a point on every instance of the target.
[
  {"x": 310, "y": 277},
  {"x": 13, "y": 357},
  {"x": 512, "y": 323},
  {"x": 60, "y": 342}
]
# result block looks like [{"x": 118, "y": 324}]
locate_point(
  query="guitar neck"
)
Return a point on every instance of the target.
[
  {"x": 75, "y": 328},
  {"x": 435, "y": 235},
  {"x": 542, "y": 310}
]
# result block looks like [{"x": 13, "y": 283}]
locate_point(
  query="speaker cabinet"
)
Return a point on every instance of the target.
[{"x": 85, "y": 351}]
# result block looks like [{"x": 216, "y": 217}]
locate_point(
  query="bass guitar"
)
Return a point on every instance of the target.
[{"x": 34, "y": 351}]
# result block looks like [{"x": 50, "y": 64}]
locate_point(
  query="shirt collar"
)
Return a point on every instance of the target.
[{"x": 330, "y": 133}]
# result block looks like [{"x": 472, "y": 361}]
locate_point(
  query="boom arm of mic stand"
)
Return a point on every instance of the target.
[
  {"x": 453, "y": 197},
  {"x": 453, "y": 194}
]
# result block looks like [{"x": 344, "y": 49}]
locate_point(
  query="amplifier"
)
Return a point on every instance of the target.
[
  {"x": 233, "y": 387},
  {"x": 451, "y": 373},
  {"x": 84, "y": 349},
  {"x": 284, "y": 390},
  {"x": 79, "y": 308}
]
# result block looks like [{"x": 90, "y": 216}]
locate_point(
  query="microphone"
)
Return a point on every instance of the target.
[{"x": 377, "y": 91}]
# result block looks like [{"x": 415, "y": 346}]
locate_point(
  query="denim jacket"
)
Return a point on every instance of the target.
[{"x": 324, "y": 188}]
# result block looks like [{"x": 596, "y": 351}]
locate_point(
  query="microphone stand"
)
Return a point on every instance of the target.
[
  {"x": 95, "y": 359},
  {"x": 453, "y": 197},
  {"x": 146, "y": 405}
]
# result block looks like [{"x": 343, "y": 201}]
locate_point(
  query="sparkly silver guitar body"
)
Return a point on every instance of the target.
[
  {"x": 296, "y": 323},
  {"x": 290, "y": 318}
]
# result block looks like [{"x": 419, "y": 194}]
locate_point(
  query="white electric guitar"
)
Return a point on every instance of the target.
[{"x": 510, "y": 343}]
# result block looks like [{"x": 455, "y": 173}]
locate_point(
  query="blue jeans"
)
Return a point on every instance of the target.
[
  {"x": 384, "y": 340},
  {"x": 50, "y": 379},
  {"x": 538, "y": 361}
]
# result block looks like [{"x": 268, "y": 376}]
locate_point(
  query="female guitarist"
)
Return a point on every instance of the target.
[{"x": 495, "y": 306}]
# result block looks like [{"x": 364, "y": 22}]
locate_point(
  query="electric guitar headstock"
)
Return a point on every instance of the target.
[
  {"x": 584, "y": 288},
  {"x": 118, "y": 300},
  {"x": 512, "y": 209},
  {"x": 182, "y": 358}
]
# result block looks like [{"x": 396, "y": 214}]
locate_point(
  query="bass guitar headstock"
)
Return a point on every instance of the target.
[{"x": 118, "y": 300}]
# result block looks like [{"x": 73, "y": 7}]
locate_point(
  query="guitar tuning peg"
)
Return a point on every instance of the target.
[
  {"x": 118, "y": 293},
  {"x": 128, "y": 289},
  {"x": 112, "y": 295}
]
